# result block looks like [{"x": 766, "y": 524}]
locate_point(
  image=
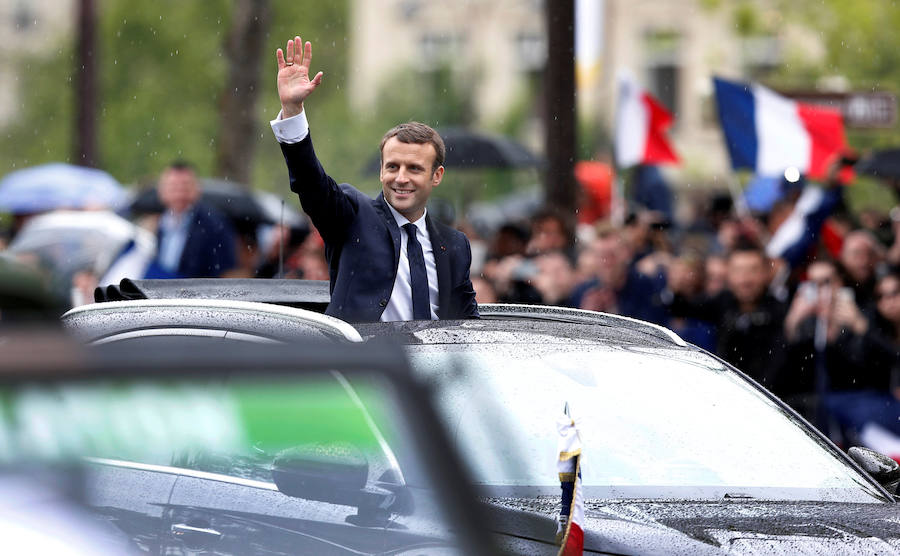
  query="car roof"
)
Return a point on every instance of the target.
[
  {"x": 91, "y": 322},
  {"x": 314, "y": 295},
  {"x": 513, "y": 331}
]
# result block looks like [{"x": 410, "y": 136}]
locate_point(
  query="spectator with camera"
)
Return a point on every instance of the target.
[
  {"x": 861, "y": 255},
  {"x": 834, "y": 353}
]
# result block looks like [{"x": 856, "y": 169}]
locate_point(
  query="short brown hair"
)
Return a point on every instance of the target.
[{"x": 418, "y": 133}]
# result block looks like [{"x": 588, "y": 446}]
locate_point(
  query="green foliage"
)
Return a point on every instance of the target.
[
  {"x": 161, "y": 72},
  {"x": 746, "y": 19},
  {"x": 44, "y": 130},
  {"x": 862, "y": 45}
]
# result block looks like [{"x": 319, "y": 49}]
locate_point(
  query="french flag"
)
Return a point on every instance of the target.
[
  {"x": 801, "y": 229},
  {"x": 768, "y": 133},
  {"x": 641, "y": 124},
  {"x": 569, "y": 531}
]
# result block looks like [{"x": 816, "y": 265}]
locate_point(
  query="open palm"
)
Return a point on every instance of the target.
[{"x": 294, "y": 84}]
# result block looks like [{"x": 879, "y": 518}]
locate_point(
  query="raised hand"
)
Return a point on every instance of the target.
[{"x": 294, "y": 84}]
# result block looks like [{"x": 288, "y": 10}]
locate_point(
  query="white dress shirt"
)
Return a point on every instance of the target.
[
  {"x": 399, "y": 307},
  {"x": 174, "y": 228}
]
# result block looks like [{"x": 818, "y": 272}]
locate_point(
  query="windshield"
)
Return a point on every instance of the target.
[{"x": 654, "y": 424}]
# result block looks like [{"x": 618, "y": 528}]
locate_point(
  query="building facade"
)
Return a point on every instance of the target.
[{"x": 673, "y": 47}]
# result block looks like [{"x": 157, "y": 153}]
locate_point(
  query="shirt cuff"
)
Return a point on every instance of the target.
[{"x": 290, "y": 130}]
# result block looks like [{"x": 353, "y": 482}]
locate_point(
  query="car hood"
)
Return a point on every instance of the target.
[{"x": 733, "y": 527}]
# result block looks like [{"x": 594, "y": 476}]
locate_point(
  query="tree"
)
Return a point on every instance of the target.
[{"x": 237, "y": 114}]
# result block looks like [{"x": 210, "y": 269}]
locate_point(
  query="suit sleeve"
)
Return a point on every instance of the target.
[
  {"x": 465, "y": 292},
  {"x": 320, "y": 196}
]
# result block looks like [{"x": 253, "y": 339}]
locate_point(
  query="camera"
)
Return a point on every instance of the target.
[
  {"x": 810, "y": 291},
  {"x": 526, "y": 270}
]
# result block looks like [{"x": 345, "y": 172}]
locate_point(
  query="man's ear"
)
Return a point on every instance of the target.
[{"x": 437, "y": 176}]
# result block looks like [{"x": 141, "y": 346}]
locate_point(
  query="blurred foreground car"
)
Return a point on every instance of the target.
[
  {"x": 246, "y": 449},
  {"x": 682, "y": 453}
]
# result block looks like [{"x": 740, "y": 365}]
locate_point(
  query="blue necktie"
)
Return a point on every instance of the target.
[{"x": 417, "y": 277}]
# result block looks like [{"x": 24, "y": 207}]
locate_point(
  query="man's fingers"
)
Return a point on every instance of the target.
[
  {"x": 279, "y": 57},
  {"x": 289, "y": 52},
  {"x": 298, "y": 51},
  {"x": 317, "y": 79},
  {"x": 307, "y": 54}
]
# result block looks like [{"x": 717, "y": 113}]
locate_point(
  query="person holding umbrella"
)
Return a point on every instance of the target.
[
  {"x": 388, "y": 259},
  {"x": 195, "y": 241}
]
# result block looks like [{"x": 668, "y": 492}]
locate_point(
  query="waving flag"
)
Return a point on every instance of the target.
[
  {"x": 802, "y": 228},
  {"x": 569, "y": 532},
  {"x": 768, "y": 133},
  {"x": 641, "y": 124}
]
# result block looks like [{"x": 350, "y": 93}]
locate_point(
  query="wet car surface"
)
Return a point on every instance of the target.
[
  {"x": 740, "y": 485},
  {"x": 683, "y": 453}
]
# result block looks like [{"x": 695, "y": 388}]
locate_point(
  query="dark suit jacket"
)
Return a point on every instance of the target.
[
  {"x": 362, "y": 244},
  {"x": 209, "y": 249}
]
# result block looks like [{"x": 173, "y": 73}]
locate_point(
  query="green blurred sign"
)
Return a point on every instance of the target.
[{"x": 144, "y": 421}]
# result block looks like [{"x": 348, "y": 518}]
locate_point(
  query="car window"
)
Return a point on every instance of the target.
[
  {"x": 310, "y": 461},
  {"x": 654, "y": 424}
]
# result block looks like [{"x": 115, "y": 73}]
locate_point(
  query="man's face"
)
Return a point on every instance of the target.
[
  {"x": 716, "y": 275},
  {"x": 824, "y": 275},
  {"x": 178, "y": 189},
  {"x": 748, "y": 275},
  {"x": 858, "y": 257},
  {"x": 547, "y": 234},
  {"x": 406, "y": 176},
  {"x": 612, "y": 256}
]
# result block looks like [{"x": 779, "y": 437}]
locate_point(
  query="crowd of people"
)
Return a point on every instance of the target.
[
  {"x": 820, "y": 327},
  {"x": 821, "y": 330}
]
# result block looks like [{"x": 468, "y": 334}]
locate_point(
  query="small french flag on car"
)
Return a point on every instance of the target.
[
  {"x": 569, "y": 532},
  {"x": 768, "y": 133}
]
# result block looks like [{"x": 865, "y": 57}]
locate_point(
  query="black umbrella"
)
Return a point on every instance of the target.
[
  {"x": 473, "y": 149},
  {"x": 234, "y": 201},
  {"x": 883, "y": 164}
]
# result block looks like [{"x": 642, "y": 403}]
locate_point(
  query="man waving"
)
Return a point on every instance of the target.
[{"x": 388, "y": 260}]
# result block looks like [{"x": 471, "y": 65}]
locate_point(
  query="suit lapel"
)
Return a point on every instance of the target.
[
  {"x": 442, "y": 263},
  {"x": 393, "y": 229}
]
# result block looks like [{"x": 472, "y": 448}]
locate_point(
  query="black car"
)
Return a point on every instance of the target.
[
  {"x": 250, "y": 448},
  {"x": 683, "y": 454}
]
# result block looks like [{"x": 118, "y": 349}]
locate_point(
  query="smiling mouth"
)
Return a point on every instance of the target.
[{"x": 403, "y": 191}]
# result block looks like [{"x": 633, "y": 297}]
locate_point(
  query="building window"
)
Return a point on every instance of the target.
[
  {"x": 661, "y": 50},
  {"x": 761, "y": 55},
  {"x": 23, "y": 17},
  {"x": 438, "y": 49},
  {"x": 531, "y": 50},
  {"x": 409, "y": 9}
]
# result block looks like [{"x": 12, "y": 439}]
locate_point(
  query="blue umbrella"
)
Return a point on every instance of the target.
[{"x": 58, "y": 185}]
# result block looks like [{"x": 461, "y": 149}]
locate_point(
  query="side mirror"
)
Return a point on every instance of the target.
[
  {"x": 333, "y": 472},
  {"x": 882, "y": 468},
  {"x": 338, "y": 473}
]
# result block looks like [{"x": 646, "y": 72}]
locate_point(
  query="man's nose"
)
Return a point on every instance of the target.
[{"x": 402, "y": 175}]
